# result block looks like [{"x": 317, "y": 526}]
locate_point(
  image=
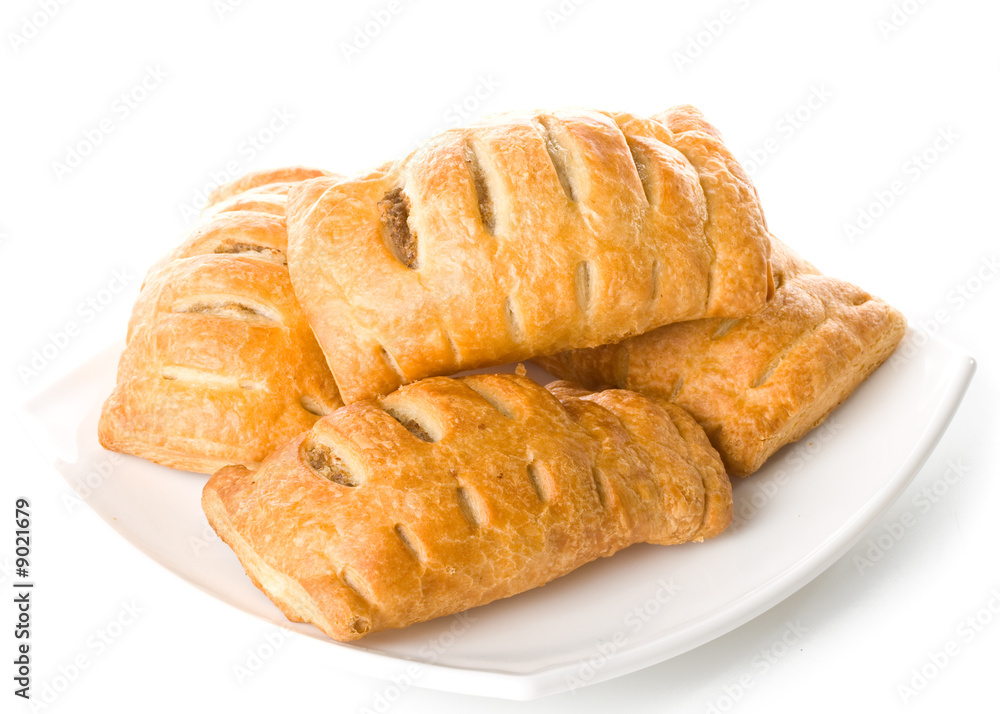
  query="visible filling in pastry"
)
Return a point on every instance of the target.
[
  {"x": 272, "y": 254},
  {"x": 559, "y": 157},
  {"x": 486, "y": 210},
  {"x": 394, "y": 212},
  {"x": 323, "y": 463}
]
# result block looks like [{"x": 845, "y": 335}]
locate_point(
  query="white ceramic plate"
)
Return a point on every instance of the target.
[{"x": 794, "y": 519}]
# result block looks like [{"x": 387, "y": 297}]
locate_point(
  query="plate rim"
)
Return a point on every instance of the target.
[{"x": 552, "y": 678}]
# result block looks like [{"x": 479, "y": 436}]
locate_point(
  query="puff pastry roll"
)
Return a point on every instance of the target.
[
  {"x": 452, "y": 493},
  {"x": 263, "y": 191},
  {"x": 760, "y": 382},
  {"x": 521, "y": 236},
  {"x": 220, "y": 366}
]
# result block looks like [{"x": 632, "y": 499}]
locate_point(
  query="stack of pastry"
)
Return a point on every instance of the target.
[{"x": 298, "y": 346}]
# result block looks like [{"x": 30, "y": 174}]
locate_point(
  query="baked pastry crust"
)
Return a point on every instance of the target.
[
  {"x": 220, "y": 366},
  {"x": 521, "y": 236},
  {"x": 452, "y": 493},
  {"x": 760, "y": 382},
  {"x": 276, "y": 180}
]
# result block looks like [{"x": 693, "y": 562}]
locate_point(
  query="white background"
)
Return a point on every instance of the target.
[{"x": 873, "y": 84}]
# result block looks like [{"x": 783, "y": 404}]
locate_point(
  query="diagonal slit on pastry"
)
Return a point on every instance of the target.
[
  {"x": 760, "y": 382},
  {"x": 453, "y": 492},
  {"x": 220, "y": 365},
  {"x": 524, "y": 235}
]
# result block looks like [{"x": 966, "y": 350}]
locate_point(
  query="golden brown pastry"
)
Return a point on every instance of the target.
[
  {"x": 220, "y": 366},
  {"x": 275, "y": 181},
  {"x": 452, "y": 493},
  {"x": 760, "y": 382},
  {"x": 522, "y": 236}
]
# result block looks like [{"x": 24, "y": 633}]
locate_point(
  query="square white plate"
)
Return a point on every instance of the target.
[{"x": 609, "y": 618}]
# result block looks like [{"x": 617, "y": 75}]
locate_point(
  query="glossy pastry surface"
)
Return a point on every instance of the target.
[
  {"x": 521, "y": 236},
  {"x": 452, "y": 493}
]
